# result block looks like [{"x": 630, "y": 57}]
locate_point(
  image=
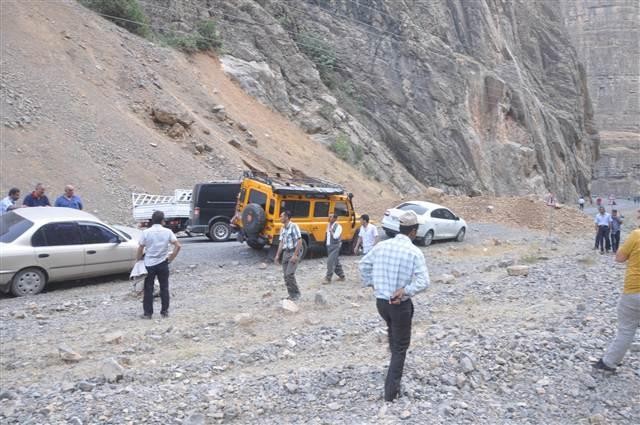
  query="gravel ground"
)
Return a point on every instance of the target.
[{"x": 487, "y": 348}]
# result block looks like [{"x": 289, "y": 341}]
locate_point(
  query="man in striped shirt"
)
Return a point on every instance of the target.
[
  {"x": 290, "y": 247},
  {"x": 396, "y": 269}
]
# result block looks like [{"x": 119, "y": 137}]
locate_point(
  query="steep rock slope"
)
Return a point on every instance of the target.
[
  {"x": 606, "y": 34},
  {"x": 471, "y": 96},
  {"x": 77, "y": 98}
]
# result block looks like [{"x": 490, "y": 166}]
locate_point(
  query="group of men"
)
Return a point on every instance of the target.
[
  {"x": 607, "y": 230},
  {"x": 395, "y": 269},
  {"x": 37, "y": 198},
  {"x": 290, "y": 249}
]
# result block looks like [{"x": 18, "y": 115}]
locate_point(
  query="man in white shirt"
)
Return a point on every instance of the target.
[
  {"x": 602, "y": 222},
  {"x": 154, "y": 244},
  {"x": 367, "y": 236},
  {"x": 334, "y": 243}
]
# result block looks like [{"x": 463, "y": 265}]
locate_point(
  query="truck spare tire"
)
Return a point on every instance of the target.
[{"x": 253, "y": 219}]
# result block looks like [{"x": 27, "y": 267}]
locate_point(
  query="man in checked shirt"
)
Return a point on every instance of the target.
[{"x": 396, "y": 270}]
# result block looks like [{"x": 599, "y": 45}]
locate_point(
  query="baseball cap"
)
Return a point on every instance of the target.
[{"x": 409, "y": 218}]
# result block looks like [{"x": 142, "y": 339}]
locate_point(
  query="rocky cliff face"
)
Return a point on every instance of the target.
[
  {"x": 606, "y": 34},
  {"x": 473, "y": 97}
]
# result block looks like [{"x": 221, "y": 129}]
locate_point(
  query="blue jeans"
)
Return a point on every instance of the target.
[{"x": 162, "y": 271}]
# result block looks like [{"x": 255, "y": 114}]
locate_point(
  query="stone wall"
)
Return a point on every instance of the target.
[{"x": 606, "y": 34}]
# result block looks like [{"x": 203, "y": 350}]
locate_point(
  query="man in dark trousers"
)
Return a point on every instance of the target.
[
  {"x": 334, "y": 244},
  {"x": 602, "y": 222},
  {"x": 290, "y": 248},
  {"x": 616, "y": 223},
  {"x": 396, "y": 269},
  {"x": 154, "y": 243}
]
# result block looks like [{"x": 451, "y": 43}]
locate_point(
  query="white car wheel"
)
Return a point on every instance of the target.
[
  {"x": 460, "y": 235},
  {"x": 428, "y": 238},
  {"x": 28, "y": 282}
]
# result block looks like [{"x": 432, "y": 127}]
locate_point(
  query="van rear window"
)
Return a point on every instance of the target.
[
  {"x": 12, "y": 226},
  {"x": 257, "y": 197}
]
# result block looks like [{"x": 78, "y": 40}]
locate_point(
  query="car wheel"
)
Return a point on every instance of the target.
[
  {"x": 460, "y": 235},
  {"x": 255, "y": 245},
  {"x": 428, "y": 238},
  {"x": 219, "y": 231},
  {"x": 28, "y": 282},
  {"x": 304, "y": 248}
]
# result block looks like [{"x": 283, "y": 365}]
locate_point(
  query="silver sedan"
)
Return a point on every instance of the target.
[{"x": 44, "y": 244}]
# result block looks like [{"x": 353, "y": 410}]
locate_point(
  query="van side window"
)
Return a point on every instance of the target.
[
  {"x": 321, "y": 209},
  {"x": 272, "y": 206},
  {"x": 297, "y": 208},
  {"x": 257, "y": 197},
  {"x": 341, "y": 209}
]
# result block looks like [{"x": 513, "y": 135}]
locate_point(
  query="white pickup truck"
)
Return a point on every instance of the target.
[{"x": 176, "y": 208}]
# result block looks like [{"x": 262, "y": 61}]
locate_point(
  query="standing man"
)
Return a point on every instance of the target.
[
  {"x": 9, "y": 203},
  {"x": 602, "y": 222},
  {"x": 334, "y": 244},
  {"x": 628, "y": 306},
  {"x": 68, "y": 199},
  {"x": 290, "y": 247},
  {"x": 396, "y": 270},
  {"x": 37, "y": 198},
  {"x": 616, "y": 224},
  {"x": 154, "y": 243},
  {"x": 367, "y": 236},
  {"x": 581, "y": 203}
]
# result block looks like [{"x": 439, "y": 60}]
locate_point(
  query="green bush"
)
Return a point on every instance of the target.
[
  {"x": 342, "y": 147},
  {"x": 207, "y": 36},
  {"x": 125, "y": 13},
  {"x": 204, "y": 38},
  {"x": 321, "y": 54}
]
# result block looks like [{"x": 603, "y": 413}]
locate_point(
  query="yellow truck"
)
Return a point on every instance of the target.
[{"x": 262, "y": 199}]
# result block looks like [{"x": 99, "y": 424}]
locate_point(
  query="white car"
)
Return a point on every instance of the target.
[
  {"x": 48, "y": 244},
  {"x": 435, "y": 222}
]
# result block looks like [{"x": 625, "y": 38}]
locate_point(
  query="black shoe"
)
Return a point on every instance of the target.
[
  {"x": 146, "y": 316},
  {"x": 165, "y": 315},
  {"x": 601, "y": 366}
]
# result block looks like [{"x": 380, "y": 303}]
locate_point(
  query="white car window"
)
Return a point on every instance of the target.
[
  {"x": 93, "y": 233},
  {"x": 420, "y": 210},
  {"x": 57, "y": 234},
  {"x": 12, "y": 226},
  {"x": 448, "y": 215},
  {"x": 437, "y": 213}
]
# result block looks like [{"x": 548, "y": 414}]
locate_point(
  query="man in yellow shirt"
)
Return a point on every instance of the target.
[{"x": 628, "y": 306}]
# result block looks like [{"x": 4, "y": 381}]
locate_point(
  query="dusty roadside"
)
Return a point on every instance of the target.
[{"x": 487, "y": 347}]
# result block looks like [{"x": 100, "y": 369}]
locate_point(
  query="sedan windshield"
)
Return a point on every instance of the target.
[
  {"x": 12, "y": 226},
  {"x": 407, "y": 206}
]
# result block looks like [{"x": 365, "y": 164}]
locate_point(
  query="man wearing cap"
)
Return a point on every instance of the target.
[
  {"x": 396, "y": 269},
  {"x": 334, "y": 244}
]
